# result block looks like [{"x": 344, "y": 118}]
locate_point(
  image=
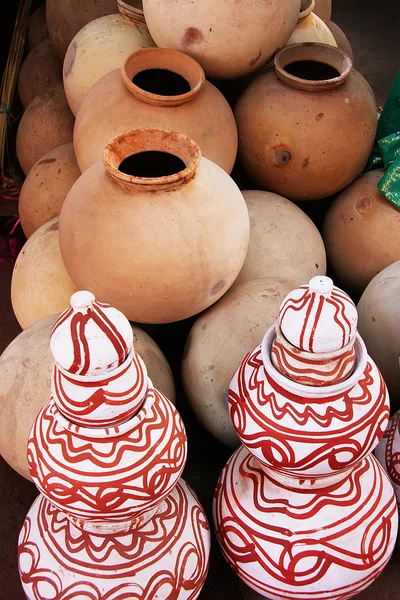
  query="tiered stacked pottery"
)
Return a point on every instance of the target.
[
  {"x": 302, "y": 509},
  {"x": 388, "y": 453},
  {"x": 114, "y": 520}
]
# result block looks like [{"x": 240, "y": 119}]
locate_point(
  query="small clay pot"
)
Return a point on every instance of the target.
[
  {"x": 310, "y": 28},
  {"x": 323, "y": 8},
  {"x": 341, "y": 40},
  {"x": 46, "y": 186},
  {"x": 42, "y": 69},
  {"x": 140, "y": 96},
  {"x": 37, "y": 30},
  {"x": 306, "y": 128},
  {"x": 46, "y": 124}
]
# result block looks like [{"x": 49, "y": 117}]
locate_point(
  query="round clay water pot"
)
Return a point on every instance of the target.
[
  {"x": 42, "y": 69},
  {"x": 310, "y": 28},
  {"x": 40, "y": 284},
  {"x": 66, "y": 17},
  {"x": 323, "y": 8},
  {"x": 341, "y": 40},
  {"x": 100, "y": 47},
  {"x": 379, "y": 325},
  {"x": 156, "y": 88},
  {"x": 217, "y": 343},
  {"x": 361, "y": 232},
  {"x": 217, "y": 33},
  {"x": 37, "y": 30},
  {"x": 284, "y": 242},
  {"x": 46, "y": 186},
  {"x": 46, "y": 123},
  {"x": 306, "y": 128}
]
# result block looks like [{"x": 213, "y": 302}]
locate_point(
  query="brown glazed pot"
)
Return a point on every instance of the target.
[
  {"x": 341, "y": 40},
  {"x": 42, "y": 69},
  {"x": 37, "y": 30},
  {"x": 46, "y": 124},
  {"x": 308, "y": 136},
  {"x": 46, "y": 186},
  {"x": 66, "y": 17},
  {"x": 323, "y": 8},
  {"x": 161, "y": 243},
  {"x": 115, "y": 105},
  {"x": 361, "y": 232}
]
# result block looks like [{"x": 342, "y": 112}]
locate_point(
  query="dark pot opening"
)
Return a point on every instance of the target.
[
  {"x": 151, "y": 164},
  {"x": 312, "y": 70},
  {"x": 162, "y": 82}
]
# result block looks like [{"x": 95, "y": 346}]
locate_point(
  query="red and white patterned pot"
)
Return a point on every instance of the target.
[{"x": 388, "y": 453}]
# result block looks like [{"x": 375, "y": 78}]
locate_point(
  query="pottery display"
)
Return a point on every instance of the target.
[
  {"x": 40, "y": 284},
  {"x": 41, "y": 70},
  {"x": 303, "y": 509},
  {"x": 162, "y": 89},
  {"x": 284, "y": 242},
  {"x": 218, "y": 340},
  {"x": 100, "y": 47},
  {"x": 323, "y": 8},
  {"x": 310, "y": 28},
  {"x": 46, "y": 186},
  {"x": 227, "y": 43},
  {"x": 361, "y": 232},
  {"x": 116, "y": 243},
  {"x": 341, "y": 39},
  {"x": 306, "y": 128},
  {"x": 147, "y": 535},
  {"x": 37, "y": 30},
  {"x": 388, "y": 453},
  {"x": 46, "y": 123}
]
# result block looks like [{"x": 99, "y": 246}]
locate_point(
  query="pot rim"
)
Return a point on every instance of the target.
[
  {"x": 133, "y": 14},
  {"x": 309, "y": 7}
]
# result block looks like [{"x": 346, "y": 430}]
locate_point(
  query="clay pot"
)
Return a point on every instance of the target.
[
  {"x": 323, "y": 8},
  {"x": 217, "y": 343},
  {"x": 306, "y": 129},
  {"x": 181, "y": 100},
  {"x": 284, "y": 242},
  {"x": 37, "y": 30},
  {"x": 379, "y": 323},
  {"x": 310, "y": 28},
  {"x": 66, "y": 17},
  {"x": 40, "y": 285},
  {"x": 100, "y": 47},
  {"x": 46, "y": 186},
  {"x": 387, "y": 452},
  {"x": 217, "y": 35},
  {"x": 341, "y": 40},
  {"x": 361, "y": 232},
  {"x": 40, "y": 70},
  {"x": 46, "y": 124},
  {"x": 117, "y": 243}
]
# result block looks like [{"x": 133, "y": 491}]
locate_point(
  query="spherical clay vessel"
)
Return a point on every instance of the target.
[
  {"x": 217, "y": 35},
  {"x": 361, "y": 232},
  {"x": 40, "y": 284},
  {"x": 310, "y": 28},
  {"x": 117, "y": 244},
  {"x": 42, "y": 69},
  {"x": 306, "y": 128},
  {"x": 37, "y": 30},
  {"x": 342, "y": 41},
  {"x": 284, "y": 242},
  {"x": 46, "y": 123},
  {"x": 46, "y": 186},
  {"x": 100, "y": 47},
  {"x": 156, "y": 88},
  {"x": 323, "y": 8}
]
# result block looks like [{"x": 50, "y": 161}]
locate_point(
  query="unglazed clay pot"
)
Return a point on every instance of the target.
[
  {"x": 37, "y": 30},
  {"x": 341, "y": 40},
  {"x": 100, "y": 47},
  {"x": 158, "y": 88},
  {"x": 284, "y": 242},
  {"x": 40, "y": 284},
  {"x": 219, "y": 339},
  {"x": 117, "y": 244},
  {"x": 306, "y": 128},
  {"x": 66, "y": 17},
  {"x": 46, "y": 186},
  {"x": 46, "y": 124},
  {"x": 217, "y": 35},
  {"x": 42, "y": 69},
  {"x": 379, "y": 324},
  {"x": 361, "y": 232},
  {"x": 310, "y": 28},
  {"x": 323, "y": 8},
  {"x": 388, "y": 453}
]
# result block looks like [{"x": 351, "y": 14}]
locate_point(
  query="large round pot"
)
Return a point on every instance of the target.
[
  {"x": 139, "y": 96},
  {"x": 341, "y": 40},
  {"x": 42, "y": 69},
  {"x": 306, "y": 128},
  {"x": 37, "y": 30},
  {"x": 160, "y": 236},
  {"x": 228, "y": 41},
  {"x": 310, "y": 28},
  {"x": 323, "y": 8}
]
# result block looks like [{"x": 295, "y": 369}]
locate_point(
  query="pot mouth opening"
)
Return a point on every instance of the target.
[
  {"x": 161, "y": 82},
  {"x": 151, "y": 164},
  {"x": 306, "y": 8}
]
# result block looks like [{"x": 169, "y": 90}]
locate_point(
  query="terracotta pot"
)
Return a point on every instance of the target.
[
  {"x": 66, "y": 17},
  {"x": 304, "y": 137},
  {"x": 46, "y": 124},
  {"x": 379, "y": 324},
  {"x": 341, "y": 40},
  {"x": 37, "y": 30},
  {"x": 46, "y": 186},
  {"x": 388, "y": 452},
  {"x": 40, "y": 284},
  {"x": 284, "y": 242},
  {"x": 40, "y": 71},
  {"x": 100, "y": 47},
  {"x": 218, "y": 36},
  {"x": 323, "y": 8},
  {"x": 310, "y": 28},
  {"x": 361, "y": 232},
  {"x": 210, "y": 358},
  {"x": 195, "y": 108}
]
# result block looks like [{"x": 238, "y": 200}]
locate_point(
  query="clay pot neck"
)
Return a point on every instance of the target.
[
  {"x": 307, "y": 6},
  {"x": 151, "y": 160},
  {"x": 300, "y": 483},
  {"x": 162, "y": 77},
  {"x": 113, "y": 528},
  {"x": 312, "y": 67},
  {"x": 132, "y": 11}
]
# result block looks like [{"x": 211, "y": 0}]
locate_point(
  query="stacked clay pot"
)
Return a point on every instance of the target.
[
  {"x": 323, "y": 8},
  {"x": 156, "y": 88},
  {"x": 310, "y": 28},
  {"x": 42, "y": 69},
  {"x": 306, "y": 128},
  {"x": 388, "y": 453},
  {"x": 341, "y": 40},
  {"x": 37, "y": 30}
]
